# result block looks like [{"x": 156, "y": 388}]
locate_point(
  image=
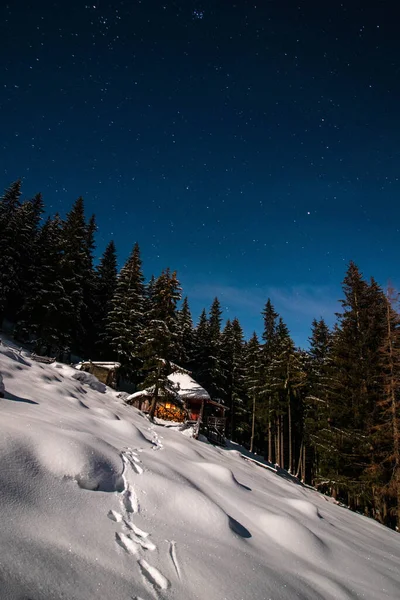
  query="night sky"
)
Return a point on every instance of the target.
[{"x": 252, "y": 146}]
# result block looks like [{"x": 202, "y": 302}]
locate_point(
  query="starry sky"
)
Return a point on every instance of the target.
[{"x": 252, "y": 146}]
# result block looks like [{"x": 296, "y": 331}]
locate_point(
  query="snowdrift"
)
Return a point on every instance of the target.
[{"x": 96, "y": 502}]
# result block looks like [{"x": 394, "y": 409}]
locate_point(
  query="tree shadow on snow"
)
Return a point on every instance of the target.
[{"x": 9, "y": 396}]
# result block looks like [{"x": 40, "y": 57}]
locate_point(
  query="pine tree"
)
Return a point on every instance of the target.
[
  {"x": 125, "y": 319},
  {"x": 74, "y": 270},
  {"x": 202, "y": 349},
  {"x": 89, "y": 308},
  {"x": 232, "y": 361},
  {"x": 317, "y": 443},
  {"x": 270, "y": 326},
  {"x": 215, "y": 367},
  {"x": 9, "y": 266},
  {"x": 266, "y": 409},
  {"x": 160, "y": 337},
  {"x": 253, "y": 383},
  {"x": 384, "y": 471},
  {"x": 42, "y": 313},
  {"x": 285, "y": 377},
  {"x": 185, "y": 336},
  {"x": 27, "y": 219},
  {"x": 356, "y": 390},
  {"x": 105, "y": 288},
  {"x": 149, "y": 300}
]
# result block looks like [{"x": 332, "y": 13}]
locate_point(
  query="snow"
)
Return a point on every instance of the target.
[
  {"x": 109, "y": 366},
  {"x": 140, "y": 394},
  {"x": 188, "y": 388},
  {"x": 97, "y": 501},
  {"x": 91, "y": 380}
]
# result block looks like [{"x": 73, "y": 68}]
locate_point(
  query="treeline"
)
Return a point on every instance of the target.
[{"x": 329, "y": 415}]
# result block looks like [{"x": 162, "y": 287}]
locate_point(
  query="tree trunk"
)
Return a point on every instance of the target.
[
  {"x": 300, "y": 463},
  {"x": 282, "y": 460},
  {"x": 277, "y": 442},
  {"x": 269, "y": 431},
  {"x": 154, "y": 400},
  {"x": 253, "y": 423},
  {"x": 290, "y": 433},
  {"x": 395, "y": 425}
]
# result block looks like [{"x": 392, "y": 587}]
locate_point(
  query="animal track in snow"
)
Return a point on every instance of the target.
[
  {"x": 153, "y": 575},
  {"x": 139, "y": 532},
  {"x": 130, "y": 500},
  {"x": 146, "y": 544},
  {"x": 114, "y": 516},
  {"x": 155, "y": 440},
  {"x": 172, "y": 553},
  {"x": 135, "y": 541},
  {"x": 137, "y": 468},
  {"x": 127, "y": 544},
  {"x": 130, "y": 458}
]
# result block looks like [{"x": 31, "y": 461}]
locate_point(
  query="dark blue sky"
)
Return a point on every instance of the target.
[{"x": 252, "y": 146}]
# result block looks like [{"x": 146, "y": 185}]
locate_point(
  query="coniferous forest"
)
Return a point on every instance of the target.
[{"x": 329, "y": 415}]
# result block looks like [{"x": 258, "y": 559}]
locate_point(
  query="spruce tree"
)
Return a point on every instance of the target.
[
  {"x": 74, "y": 270},
  {"x": 285, "y": 377},
  {"x": 27, "y": 219},
  {"x": 160, "y": 337},
  {"x": 125, "y": 319},
  {"x": 9, "y": 265},
  {"x": 317, "y": 444},
  {"x": 267, "y": 406},
  {"x": 270, "y": 317},
  {"x": 384, "y": 470},
  {"x": 253, "y": 373},
  {"x": 202, "y": 350},
  {"x": 232, "y": 360},
  {"x": 184, "y": 347},
  {"x": 89, "y": 307},
  {"x": 215, "y": 367},
  {"x": 105, "y": 288},
  {"x": 42, "y": 314},
  {"x": 356, "y": 389}
]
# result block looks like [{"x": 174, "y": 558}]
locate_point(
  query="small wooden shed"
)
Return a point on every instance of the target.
[
  {"x": 106, "y": 372},
  {"x": 190, "y": 403}
]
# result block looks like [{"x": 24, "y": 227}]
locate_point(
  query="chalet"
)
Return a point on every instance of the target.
[
  {"x": 189, "y": 403},
  {"x": 106, "y": 372}
]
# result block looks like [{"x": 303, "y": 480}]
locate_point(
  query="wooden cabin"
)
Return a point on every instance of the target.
[
  {"x": 189, "y": 403},
  {"x": 106, "y": 372}
]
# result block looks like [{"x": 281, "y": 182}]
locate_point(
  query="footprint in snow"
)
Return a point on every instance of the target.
[
  {"x": 128, "y": 496},
  {"x": 136, "y": 530},
  {"x": 136, "y": 541},
  {"x": 114, "y": 516},
  {"x": 153, "y": 576},
  {"x": 127, "y": 544},
  {"x": 130, "y": 500},
  {"x": 130, "y": 458}
]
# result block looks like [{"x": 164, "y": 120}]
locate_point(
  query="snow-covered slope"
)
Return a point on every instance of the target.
[{"x": 95, "y": 502}]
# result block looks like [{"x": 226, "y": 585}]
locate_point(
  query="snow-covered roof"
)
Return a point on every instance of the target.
[
  {"x": 141, "y": 394},
  {"x": 101, "y": 364},
  {"x": 185, "y": 388},
  {"x": 189, "y": 389}
]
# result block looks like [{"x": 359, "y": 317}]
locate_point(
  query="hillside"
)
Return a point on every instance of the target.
[{"x": 96, "y": 502}]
